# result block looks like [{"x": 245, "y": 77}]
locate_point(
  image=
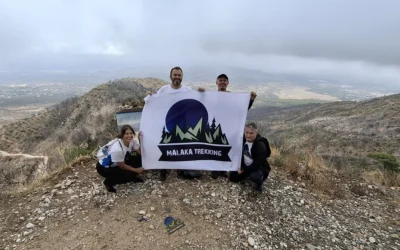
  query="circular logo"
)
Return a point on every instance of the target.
[{"x": 168, "y": 221}]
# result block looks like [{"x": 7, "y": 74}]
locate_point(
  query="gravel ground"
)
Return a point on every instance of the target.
[{"x": 75, "y": 212}]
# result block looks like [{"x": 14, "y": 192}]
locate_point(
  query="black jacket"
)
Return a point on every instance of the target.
[
  {"x": 259, "y": 152},
  {"x": 250, "y": 104}
]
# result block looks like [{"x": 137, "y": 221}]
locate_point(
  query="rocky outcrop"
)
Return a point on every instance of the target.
[{"x": 17, "y": 169}]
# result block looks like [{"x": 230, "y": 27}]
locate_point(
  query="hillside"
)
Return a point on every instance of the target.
[
  {"x": 339, "y": 130},
  {"x": 76, "y": 125},
  {"x": 306, "y": 203}
]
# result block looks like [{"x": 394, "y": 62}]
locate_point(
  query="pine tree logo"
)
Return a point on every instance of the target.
[
  {"x": 187, "y": 134},
  {"x": 207, "y": 134}
]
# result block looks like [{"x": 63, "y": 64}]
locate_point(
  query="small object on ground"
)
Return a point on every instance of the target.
[
  {"x": 167, "y": 210},
  {"x": 173, "y": 224},
  {"x": 141, "y": 218}
]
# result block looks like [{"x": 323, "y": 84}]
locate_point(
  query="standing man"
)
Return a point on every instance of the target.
[
  {"x": 176, "y": 75},
  {"x": 254, "y": 164},
  {"x": 222, "y": 85}
]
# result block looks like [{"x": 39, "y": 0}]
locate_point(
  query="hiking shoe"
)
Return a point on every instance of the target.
[
  {"x": 215, "y": 174},
  {"x": 138, "y": 180},
  {"x": 189, "y": 174},
  {"x": 163, "y": 175},
  {"x": 109, "y": 188},
  {"x": 180, "y": 174},
  {"x": 259, "y": 188},
  {"x": 224, "y": 174}
]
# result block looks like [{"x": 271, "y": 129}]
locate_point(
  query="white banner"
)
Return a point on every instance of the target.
[{"x": 194, "y": 130}]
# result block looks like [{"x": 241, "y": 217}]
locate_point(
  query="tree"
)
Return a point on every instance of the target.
[
  {"x": 213, "y": 127},
  {"x": 163, "y": 133}
]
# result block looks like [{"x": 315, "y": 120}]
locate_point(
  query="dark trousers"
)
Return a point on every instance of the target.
[
  {"x": 257, "y": 176},
  {"x": 116, "y": 175},
  {"x": 218, "y": 173},
  {"x": 187, "y": 174}
]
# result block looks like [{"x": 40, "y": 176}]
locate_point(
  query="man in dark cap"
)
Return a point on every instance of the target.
[{"x": 222, "y": 85}]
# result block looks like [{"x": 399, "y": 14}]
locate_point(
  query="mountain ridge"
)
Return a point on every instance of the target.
[
  {"x": 74, "y": 126},
  {"x": 343, "y": 132},
  {"x": 81, "y": 124},
  {"x": 290, "y": 213},
  {"x": 200, "y": 133}
]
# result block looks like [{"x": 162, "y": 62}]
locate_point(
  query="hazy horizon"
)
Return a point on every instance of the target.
[{"x": 356, "y": 40}]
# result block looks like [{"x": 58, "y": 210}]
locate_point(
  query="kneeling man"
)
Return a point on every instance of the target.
[{"x": 254, "y": 163}]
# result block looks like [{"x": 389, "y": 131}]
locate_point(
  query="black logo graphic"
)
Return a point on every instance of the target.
[{"x": 188, "y": 135}]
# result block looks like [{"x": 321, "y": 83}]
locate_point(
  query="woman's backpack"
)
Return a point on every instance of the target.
[{"x": 102, "y": 154}]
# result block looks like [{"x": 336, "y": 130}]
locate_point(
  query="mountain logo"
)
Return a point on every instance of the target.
[{"x": 188, "y": 136}]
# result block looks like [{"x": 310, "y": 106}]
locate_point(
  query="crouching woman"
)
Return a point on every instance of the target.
[{"x": 116, "y": 166}]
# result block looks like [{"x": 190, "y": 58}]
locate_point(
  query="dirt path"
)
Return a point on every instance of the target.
[{"x": 8, "y": 155}]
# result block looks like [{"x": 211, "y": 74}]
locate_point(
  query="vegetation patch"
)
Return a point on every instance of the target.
[
  {"x": 389, "y": 161},
  {"x": 70, "y": 154},
  {"x": 324, "y": 175}
]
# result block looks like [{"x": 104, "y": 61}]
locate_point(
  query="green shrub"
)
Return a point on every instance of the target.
[
  {"x": 279, "y": 161},
  {"x": 71, "y": 154},
  {"x": 389, "y": 161}
]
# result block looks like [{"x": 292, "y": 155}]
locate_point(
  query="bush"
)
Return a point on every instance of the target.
[
  {"x": 61, "y": 138},
  {"x": 70, "y": 154},
  {"x": 278, "y": 161},
  {"x": 80, "y": 136},
  {"x": 389, "y": 161}
]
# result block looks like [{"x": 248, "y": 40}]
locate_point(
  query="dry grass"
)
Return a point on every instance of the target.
[
  {"x": 381, "y": 178},
  {"x": 80, "y": 161},
  {"x": 310, "y": 169},
  {"x": 322, "y": 176}
]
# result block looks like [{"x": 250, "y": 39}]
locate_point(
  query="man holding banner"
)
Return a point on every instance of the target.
[
  {"x": 193, "y": 130},
  {"x": 222, "y": 85},
  {"x": 175, "y": 86},
  {"x": 176, "y": 75}
]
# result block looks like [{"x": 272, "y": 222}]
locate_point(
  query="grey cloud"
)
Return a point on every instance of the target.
[
  {"x": 333, "y": 36},
  {"x": 15, "y": 39},
  {"x": 344, "y": 30}
]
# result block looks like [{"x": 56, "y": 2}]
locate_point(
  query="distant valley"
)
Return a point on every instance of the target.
[
  {"x": 343, "y": 133},
  {"x": 23, "y": 95}
]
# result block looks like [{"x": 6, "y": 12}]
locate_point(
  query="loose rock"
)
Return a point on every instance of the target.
[{"x": 251, "y": 241}]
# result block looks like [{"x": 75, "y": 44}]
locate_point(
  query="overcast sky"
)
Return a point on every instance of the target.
[{"x": 354, "y": 38}]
